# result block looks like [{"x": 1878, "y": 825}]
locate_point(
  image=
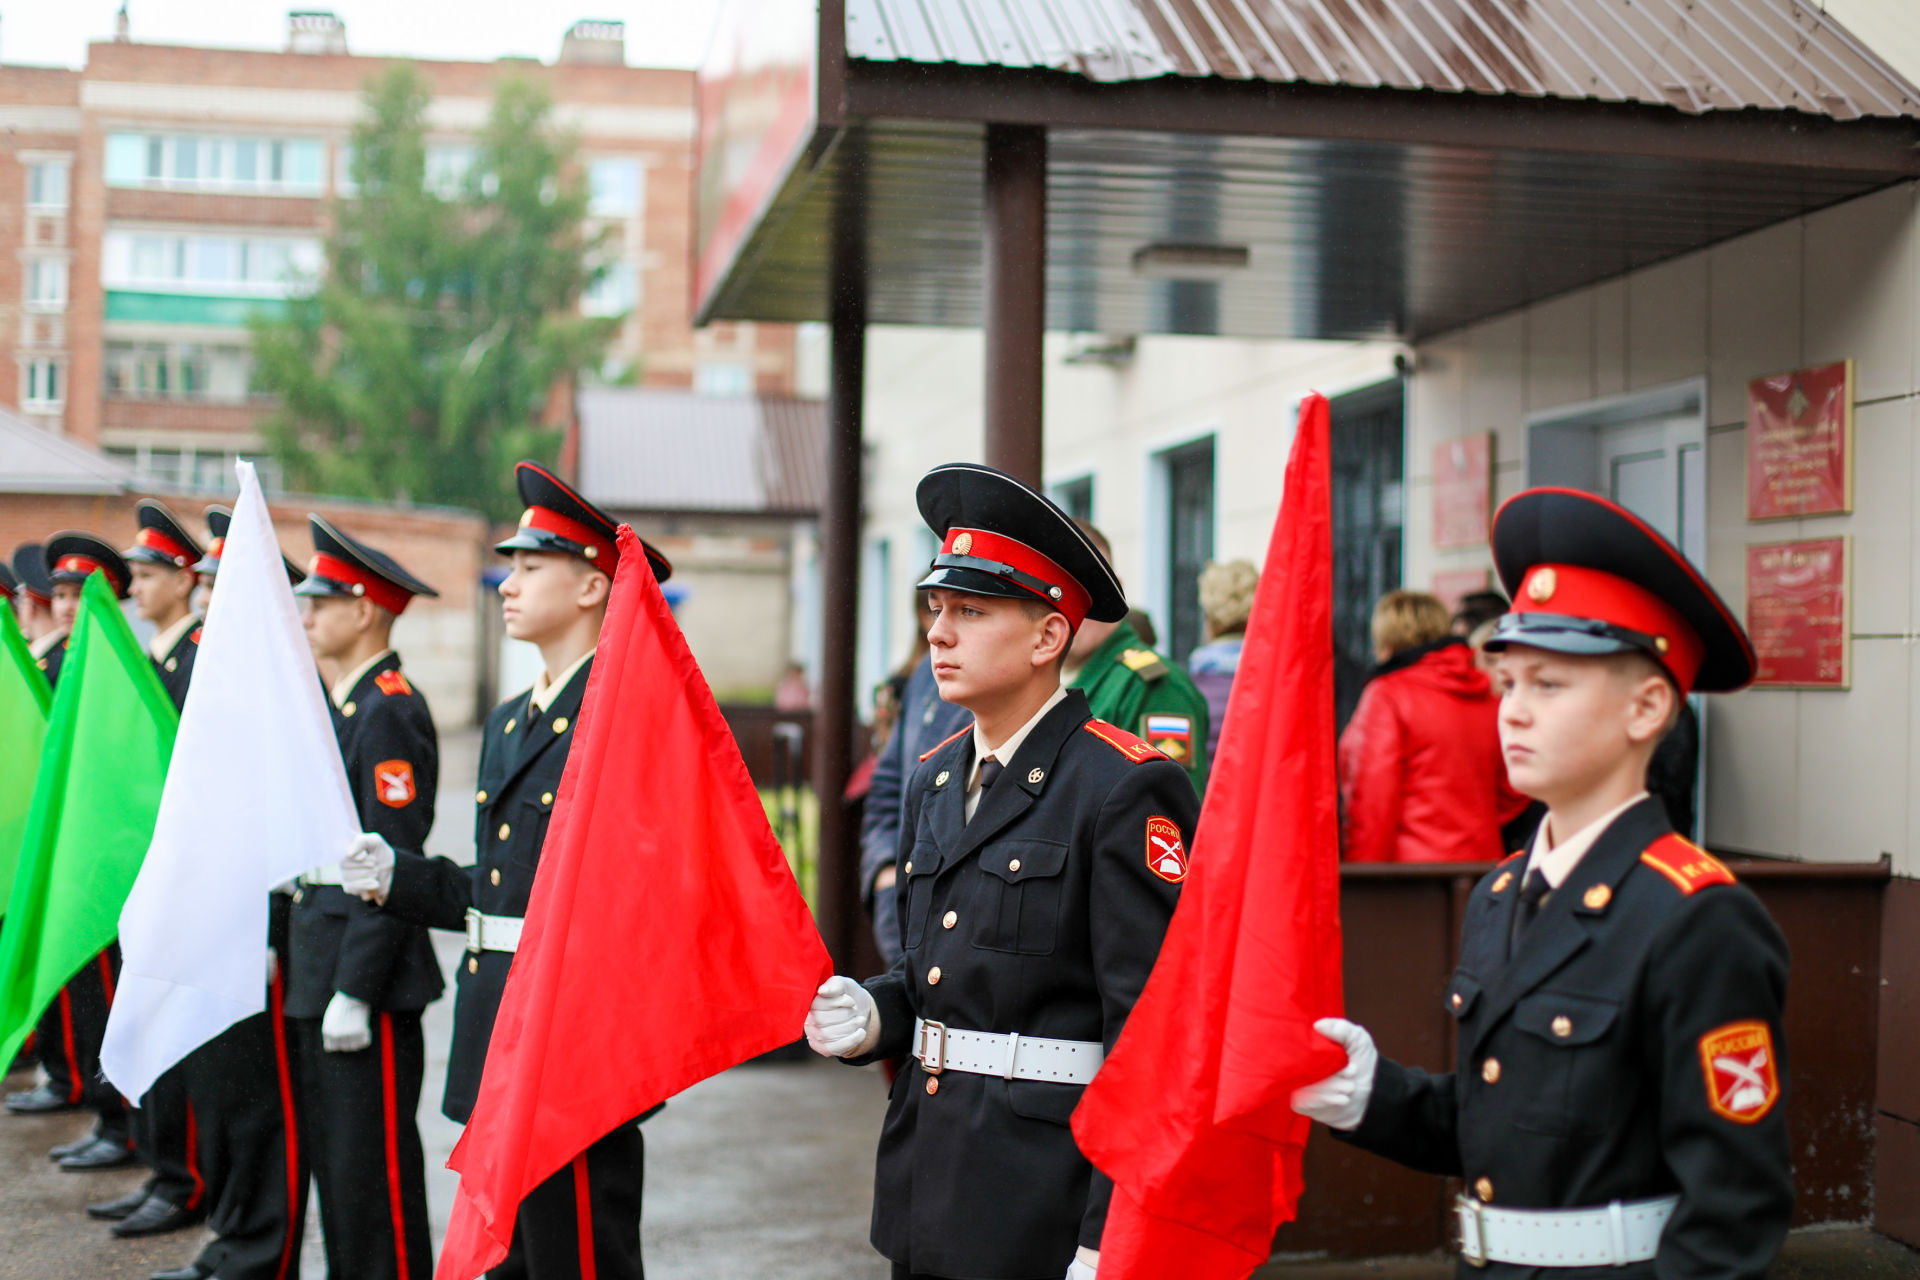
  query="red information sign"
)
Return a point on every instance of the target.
[
  {"x": 1800, "y": 443},
  {"x": 1463, "y": 490},
  {"x": 1798, "y": 613}
]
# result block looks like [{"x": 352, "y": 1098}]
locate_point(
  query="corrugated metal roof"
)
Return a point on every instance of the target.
[
  {"x": 1694, "y": 55},
  {"x": 34, "y": 460},
  {"x": 643, "y": 449}
]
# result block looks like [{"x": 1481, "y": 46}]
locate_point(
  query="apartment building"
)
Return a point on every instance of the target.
[{"x": 155, "y": 198}]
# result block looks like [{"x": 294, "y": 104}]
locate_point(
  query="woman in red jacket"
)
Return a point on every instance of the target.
[{"x": 1421, "y": 774}]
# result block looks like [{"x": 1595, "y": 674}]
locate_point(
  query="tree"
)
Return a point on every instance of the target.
[{"x": 417, "y": 367}]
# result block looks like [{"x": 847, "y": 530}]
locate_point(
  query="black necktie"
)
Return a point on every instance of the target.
[
  {"x": 989, "y": 770},
  {"x": 1533, "y": 895}
]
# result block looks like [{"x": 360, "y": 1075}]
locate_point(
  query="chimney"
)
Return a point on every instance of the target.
[
  {"x": 595, "y": 42},
  {"x": 122, "y": 27},
  {"x": 315, "y": 31}
]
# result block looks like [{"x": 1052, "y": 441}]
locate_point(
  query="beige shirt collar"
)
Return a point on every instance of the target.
[
  {"x": 544, "y": 691},
  {"x": 47, "y": 643},
  {"x": 1006, "y": 751},
  {"x": 1556, "y": 862},
  {"x": 162, "y": 643},
  {"x": 344, "y": 685}
]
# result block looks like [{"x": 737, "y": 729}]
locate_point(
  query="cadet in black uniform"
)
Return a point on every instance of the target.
[
  {"x": 1618, "y": 1103},
  {"x": 356, "y": 979},
  {"x": 1039, "y": 862},
  {"x": 165, "y": 1126},
  {"x": 70, "y": 1031},
  {"x": 33, "y": 596},
  {"x": 564, "y": 556}
]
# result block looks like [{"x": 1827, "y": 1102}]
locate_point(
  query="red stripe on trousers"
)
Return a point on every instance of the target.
[
  {"x": 276, "y": 1000},
  {"x": 388, "y": 1107},
  {"x": 583, "y": 1212},
  {"x": 76, "y": 1086},
  {"x": 193, "y": 1159}
]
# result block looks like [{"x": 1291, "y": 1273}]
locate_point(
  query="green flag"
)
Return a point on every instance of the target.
[
  {"x": 24, "y": 696},
  {"x": 97, "y": 796}
]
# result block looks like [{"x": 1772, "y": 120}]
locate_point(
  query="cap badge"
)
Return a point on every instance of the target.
[
  {"x": 1542, "y": 585},
  {"x": 963, "y": 544}
]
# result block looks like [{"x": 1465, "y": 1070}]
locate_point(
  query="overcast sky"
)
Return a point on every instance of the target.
[{"x": 669, "y": 33}]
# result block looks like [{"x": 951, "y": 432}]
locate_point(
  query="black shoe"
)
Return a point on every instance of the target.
[
  {"x": 98, "y": 1154},
  {"x": 115, "y": 1210},
  {"x": 42, "y": 1101},
  {"x": 156, "y": 1217},
  {"x": 193, "y": 1272}
]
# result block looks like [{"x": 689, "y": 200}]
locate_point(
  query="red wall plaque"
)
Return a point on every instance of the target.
[
  {"x": 1799, "y": 614},
  {"x": 1463, "y": 490},
  {"x": 1451, "y": 585},
  {"x": 1800, "y": 443}
]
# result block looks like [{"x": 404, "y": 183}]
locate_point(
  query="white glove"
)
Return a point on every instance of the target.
[
  {"x": 1081, "y": 1268},
  {"x": 841, "y": 1018},
  {"x": 367, "y": 870},
  {"x": 347, "y": 1025},
  {"x": 273, "y": 964},
  {"x": 1340, "y": 1101}
]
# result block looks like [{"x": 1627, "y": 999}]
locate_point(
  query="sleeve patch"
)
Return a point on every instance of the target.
[
  {"x": 1171, "y": 736},
  {"x": 393, "y": 781},
  {"x": 1742, "y": 1082},
  {"x": 928, "y": 753},
  {"x": 1166, "y": 851},
  {"x": 392, "y": 683},
  {"x": 1686, "y": 864},
  {"x": 1125, "y": 743}
]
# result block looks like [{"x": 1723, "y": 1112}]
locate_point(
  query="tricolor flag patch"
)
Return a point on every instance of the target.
[{"x": 1172, "y": 736}]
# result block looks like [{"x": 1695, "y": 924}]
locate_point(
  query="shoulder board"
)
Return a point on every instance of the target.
[
  {"x": 392, "y": 683},
  {"x": 928, "y": 753},
  {"x": 1510, "y": 857},
  {"x": 195, "y": 637},
  {"x": 1144, "y": 663},
  {"x": 1125, "y": 743},
  {"x": 1686, "y": 864}
]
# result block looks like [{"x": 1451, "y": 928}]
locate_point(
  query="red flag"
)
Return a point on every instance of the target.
[
  {"x": 1191, "y": 1116},
  {"x": 665, "y": 939}
]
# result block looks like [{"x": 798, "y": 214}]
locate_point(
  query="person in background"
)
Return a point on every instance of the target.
[
  {"x": 1421, "y": 775},
  {"x": 1473, "y": 620},
  {"x": 792, "y": 694},
  {"x": 1226, "y": 598}
]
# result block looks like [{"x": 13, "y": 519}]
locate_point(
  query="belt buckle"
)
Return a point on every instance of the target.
[
  {"x": 473, "y": 931},
  {"x": 933, "y": 1046},
  {"x": 1473, "y": 1223}
]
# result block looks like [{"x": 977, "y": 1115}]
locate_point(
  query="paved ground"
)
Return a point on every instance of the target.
[{"x": 764, "y": 1171}]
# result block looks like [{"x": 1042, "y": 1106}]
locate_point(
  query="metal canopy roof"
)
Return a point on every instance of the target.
[
  {"x": 659, "y": 450},
  {"x": 1376, "y": 193}
]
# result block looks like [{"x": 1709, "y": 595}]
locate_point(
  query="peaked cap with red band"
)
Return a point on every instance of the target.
[
  {"x": 1589, "y": 577},
  {"x": 162, "y": 540},
  {"x": 558, "y": 519},
  {"x": 30, "y": 571},
  {"x": 342, "y": 566},
  {"x": 219, "y": 520},
  {"x": 73, "y": 557},
  {"x": 1001, "y": 537},
  {"x": 9, "y": 582}
]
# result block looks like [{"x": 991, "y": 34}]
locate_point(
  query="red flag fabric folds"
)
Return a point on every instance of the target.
[
  {"x": 1191, "y": 1115},
  {"x": 665, "y": 939}
]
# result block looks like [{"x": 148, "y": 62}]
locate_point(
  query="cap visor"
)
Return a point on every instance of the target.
[{"x": 975, "y": 583}]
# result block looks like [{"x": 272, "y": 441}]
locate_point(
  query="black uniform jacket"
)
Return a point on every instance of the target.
[
  {"x": 51, "y": 661},
  {"x": 1631, "y": 1048},
  {"x": 340, "y": 943},
  {"x": 1042, "y": 916},
  {"x": 523, "y": 752},
  {"x": 176, "y": 669}
]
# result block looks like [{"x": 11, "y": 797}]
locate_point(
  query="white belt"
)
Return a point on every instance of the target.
[
  {"x": 329, "y": 874},
  {"x": 1612, "y": 1236},
  {"x": 1009, "y": 1055},
  {"x": 493, "y": 933}
]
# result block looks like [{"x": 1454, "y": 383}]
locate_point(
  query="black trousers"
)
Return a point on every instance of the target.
[
  {"x": 68, "y": 1036},
  {"x": 357, "y": 1124},
  {"x": 592, "y": 1202},
  {"x": 166, "y": 1134},
  {"x": 242, "y": 1082}
]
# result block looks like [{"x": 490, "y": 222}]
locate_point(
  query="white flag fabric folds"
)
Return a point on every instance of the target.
[{"x": 255, "y": 794}]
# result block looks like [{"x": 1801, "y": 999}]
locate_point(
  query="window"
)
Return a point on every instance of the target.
[
  {"x": 207, "y": 372},
  {"x": 202, "y": 470},
  {"x": 614, "y": 188},
  {"x": 44, "y": 384},
  {"x": 1368, "y": 472},
  {"x": 47, "y": 184},
  {"x": 447, "y": 169},
  {"x": 1189, "y": 480},
  {"x": 723, "y": 379},
  {"x": 47, "y": 283},
  {"x": 612, "y": 294},
  {"x": 283, "y": 166},
  {"x": 1075, "y": 497},
  {"x": 251, "y": 266}
]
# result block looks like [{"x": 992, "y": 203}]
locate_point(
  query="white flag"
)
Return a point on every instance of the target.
[{"x": 255, "y": 794}]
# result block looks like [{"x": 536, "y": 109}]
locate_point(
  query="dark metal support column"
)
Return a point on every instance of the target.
[
  {"x": 1015, "y": 311},
  {"x": 837, "y": 901}
]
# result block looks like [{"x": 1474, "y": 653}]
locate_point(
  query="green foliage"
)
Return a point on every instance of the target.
[{"x": 418, "y": 369}]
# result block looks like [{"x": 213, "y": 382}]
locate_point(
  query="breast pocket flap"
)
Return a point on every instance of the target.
[
  {"x": 1015, "y": 861},
  {"x": 1564, "y": 1019}
]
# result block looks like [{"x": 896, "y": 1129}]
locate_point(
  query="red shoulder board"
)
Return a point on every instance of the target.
[
  {"x": 392, "y": 683},
  {"x": 195, "y": 637},
  {"x": 1134, "y": 749},
  {"x": 1690, "y": 867},
  {"x": 928, "y": 753},
  {"x": 1510, "y": 857}
]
